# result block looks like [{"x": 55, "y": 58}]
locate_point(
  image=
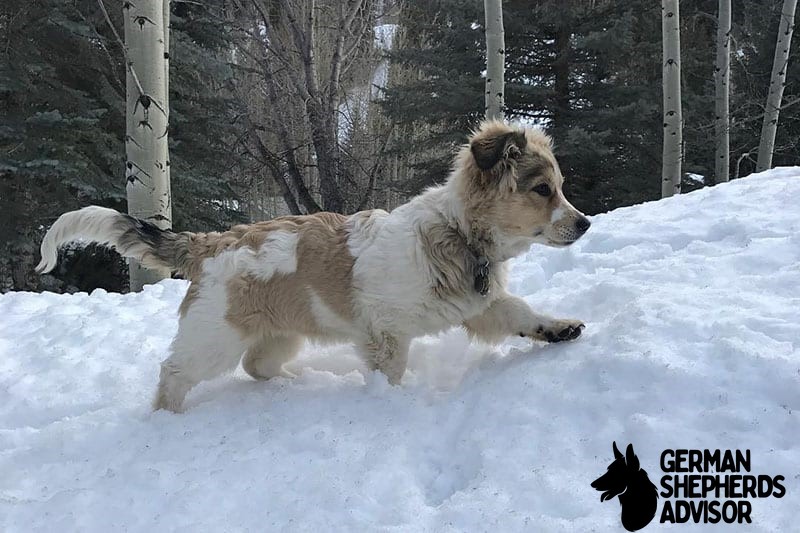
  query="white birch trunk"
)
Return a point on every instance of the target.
[
  {"x": 147, "y": 170},
  {"x": 777, "y": 82},
  {"x": 722, "y": 76},
  {"x": 165, "y": 26},
  {"x": 673, "y": 122},
  {"x": 495, "y": 59}
]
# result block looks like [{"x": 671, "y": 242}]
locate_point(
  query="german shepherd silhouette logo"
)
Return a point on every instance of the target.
[{"x": 637, "y": 494}]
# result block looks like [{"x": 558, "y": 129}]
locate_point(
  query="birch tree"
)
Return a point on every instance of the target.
[
  {"x": 673, "y": 122},
  {"x": 165, "y": 21},
  {"x": 147, "y": 116},
  {"x": 495, "y": 58},
  {"x": 776, "y": 85},
  {"x": 722, "y": 77}
]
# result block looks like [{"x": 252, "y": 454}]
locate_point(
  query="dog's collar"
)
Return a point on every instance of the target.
[
  {"x": 481, "y": 274},
  {"x": 478, "y": 260},
  {"x": 481, "y": 269}
]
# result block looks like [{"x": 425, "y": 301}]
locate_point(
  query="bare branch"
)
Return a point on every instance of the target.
[{"x": 274, "y": 45}]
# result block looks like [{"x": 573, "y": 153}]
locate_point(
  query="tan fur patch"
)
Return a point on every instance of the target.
[
  {"x": 321, "y": 238},
  {"x": 204, "y": 245},
  {"x": 283, "y": 303}
]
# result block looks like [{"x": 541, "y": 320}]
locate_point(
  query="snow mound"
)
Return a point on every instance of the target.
[{"x": 691, "y": 306}]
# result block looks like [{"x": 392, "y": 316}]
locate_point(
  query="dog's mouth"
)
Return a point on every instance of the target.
[
  {"x": 610, "y": 495},
  {"x": 560, "y": 244}
]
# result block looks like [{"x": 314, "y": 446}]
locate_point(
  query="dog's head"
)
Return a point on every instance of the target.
[
  {"x": 628, "y": 480},
  {"x": 615, "y": 480},
  {"x": 624, "y": 471},
  {"x": 514, "y": 185}
]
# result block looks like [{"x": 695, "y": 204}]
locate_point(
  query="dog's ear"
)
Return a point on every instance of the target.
[
  {"x": 617, "y": 454},
  {"x": 489, "y": 148},
  {"x": 630, "y": 459}
]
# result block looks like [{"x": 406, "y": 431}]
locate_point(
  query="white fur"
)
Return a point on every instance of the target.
[
  {"x": 558, "y": 214},
  {"x": 391, "y": 275},
  {"x": 91, "y": 223},
  {"x": 278, "y": 255},
  {"x": 204, "y": 347},
  {"x": 330, "y": 322}
]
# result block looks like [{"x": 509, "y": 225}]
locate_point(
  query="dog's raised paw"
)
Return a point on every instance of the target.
[{"x": 562, "y": 330}]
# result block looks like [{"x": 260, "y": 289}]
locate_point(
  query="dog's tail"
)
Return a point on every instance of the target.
[{"x": 131, "y": 237}]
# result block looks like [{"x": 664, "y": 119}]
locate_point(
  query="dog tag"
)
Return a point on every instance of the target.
[{"x": 482, "y": 276}]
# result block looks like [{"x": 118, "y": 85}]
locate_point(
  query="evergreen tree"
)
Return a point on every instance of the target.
[
  {"x": 61, "y": 137},
  {"x": 589, "y": 72},
  {"x": 568, "y": 69},
  {"x": 209, "y": 169},
  {"x": 436, "y": 90}
]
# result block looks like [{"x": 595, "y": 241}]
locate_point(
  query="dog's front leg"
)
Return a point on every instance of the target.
[
  {"x": 510, "y": 315},
  {"x": 387, "y": 353}
]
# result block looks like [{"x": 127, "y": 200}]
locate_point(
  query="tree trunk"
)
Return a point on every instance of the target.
[
  {"x": 673, "y": 122},
  {"x": 166, "y": 26},
  {"x": 722, "y": 75},
  {"x": 147, "y": 166},
  {"x": 777, "y": 82},
  {"x": 326, "y": 150},
  {"x": 495, "y": 59}
]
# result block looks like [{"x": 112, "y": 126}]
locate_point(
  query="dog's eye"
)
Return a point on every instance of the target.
[{"x": 542, "y": 189}]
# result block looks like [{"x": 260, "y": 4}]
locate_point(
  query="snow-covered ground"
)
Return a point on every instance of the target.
[{"x": 692, "y": 307}]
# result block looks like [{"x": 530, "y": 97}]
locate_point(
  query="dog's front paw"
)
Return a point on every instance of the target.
[{"x": 559, "y": 330}]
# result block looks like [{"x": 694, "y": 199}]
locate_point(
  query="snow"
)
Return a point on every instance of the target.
[
  {"x": 697, "y": 178},
  {"x": 384, "y": 36},
  {"x": 691, "y": 306},
  {"x": 384, "y": 40}
]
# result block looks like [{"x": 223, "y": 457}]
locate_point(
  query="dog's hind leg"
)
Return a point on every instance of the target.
[
  {"x": 266, "y": 357},
  {"x": 205, "y": 346},
  {"x": 389, "y": 354}
]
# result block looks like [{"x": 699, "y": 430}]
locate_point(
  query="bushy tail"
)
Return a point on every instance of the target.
[{"x": 131, "y": 237}]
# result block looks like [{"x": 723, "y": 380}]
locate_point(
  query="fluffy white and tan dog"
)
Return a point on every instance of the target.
[{"x": 374, "y": 278}]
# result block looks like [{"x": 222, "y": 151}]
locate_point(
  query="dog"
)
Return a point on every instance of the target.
[
  {"x": 374, "y": 278},
  {"x": 637, "y": 494}
]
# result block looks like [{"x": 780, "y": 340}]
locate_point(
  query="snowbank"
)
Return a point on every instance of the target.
[{"x": 692, "y": 338}]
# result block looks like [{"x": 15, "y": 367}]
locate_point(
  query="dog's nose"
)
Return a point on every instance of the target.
[{"x": 582, "y": 224}]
